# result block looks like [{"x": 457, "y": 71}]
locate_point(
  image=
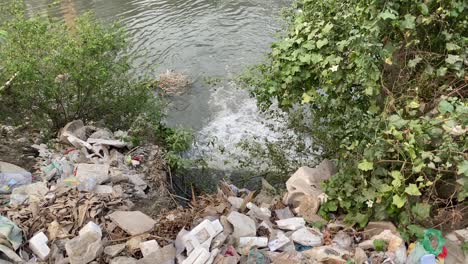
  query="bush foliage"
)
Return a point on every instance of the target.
[
  {"x": 385, "y": 83},
  {"x": 63, "y": 74}
]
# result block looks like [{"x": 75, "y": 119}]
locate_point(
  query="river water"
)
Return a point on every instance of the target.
[{"x": 204, "y": 39}]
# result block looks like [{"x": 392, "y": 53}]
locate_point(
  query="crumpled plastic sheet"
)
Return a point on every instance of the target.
[{"x": 11, "y": 232}]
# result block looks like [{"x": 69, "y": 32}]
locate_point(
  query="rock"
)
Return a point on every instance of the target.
[
  {"x": 375, "y": 228},
  {"x": 308, "y": 207},
  {"x": 287, "y": 258},
  {"x": 227, "y": 227},
  {"x": 291, "y": 223},
  {"x": 258, "y": 212},
  {"x": 179, "y": 242},
  {"x": 360, "y": 256},
  {"x": 243, "y": 225},
  {"x": 133, "y": 244},
  {"x": 392, "y": 240},
  {"x": 103, "y": 189},
  {"x": 277, "y": 240},
  {"x": 102, "y": 134},
  {"x": 164, "y": 255},
  {"x": 400, "y": 255},
  {"x": 90, "y": 175},
  {"x": 114, "y": 250},
  {"x": 12, "y": 176},
  {"x": 455, "y": 253},
  {"x": 202, "y": 235},
  {"x": 306, "y": 181},
  {"x": 284, "y": 213},
  {"x": 133, "y": 222},
  {"x": 85, "y": 247},
  {"x": 218, "y": 241},
  {"x": 326, "y": 254},
  {"x": 343, "y": 240},
  {"x": 137, "y": 180},
  {"x": 253, "y": 242},
  {"x": 307, "y": 237},
  {"x": 75, "y": 128},
  {"x": 236, "y": 202},
  {"x": 462, "y": 234},
  {"x": 107, "y": 142},
  {"x": 34, "y": 192},
  {"x": 38, "y": 245},
  {"x": 149, "y": 247},
  {"x": 267, "y": 194},
  {"x": 123, "y": 260}
]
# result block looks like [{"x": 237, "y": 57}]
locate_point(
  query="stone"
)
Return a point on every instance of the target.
[
  {"x": 149, "y": 247},
  {"x": 326, "y": 254},
  {"x": 307, "y": 237},
  {"x": 277, "y": 240},
  {"x": 258, "y": 212},
  {"x": 253, "y": 242},
  {"x": 133, "y": 244},
  {"x": 267, "y": 194},
  {"x": 375, "y": 228},
  {"x": 236, "y": 202},
  {"x": 11, "y": 254},
  {"x": 218, "y": 241},
  {"x": 164, "y": 255},
  {"x": 360, "y": 256},
  {"x": 308, "y": 206},
  {"x": 343, "y": 240},
  {"x": 85, "y": 247},
  {"x": 293, "y": 223},
  {"x": 393, "y": 241},
  {"x": 243, "y": 225},
  {"x": 90, "y": 175},
  {"x": 114, "y": 250},
  {"x": 123, "y": 260},
  {"x": 306, "y": 181},
  {"x": 202, "y": 235},
  {"x": 34, "y": 192},
  {"x": 38, "y": 245},
  {"x": 75, "y": 128},
  {"x": 133, "y": 222},
  {"x": 179, "y": 242},
  {"x": 107, "y": 142},
  {"x": 137, "y": 180},
  {"x": 284, "y": 213},
  {"x": 227, "y": 227},
  {"x": 462, "y": 234},
  {"x": 455, "y": 253},
  {"x": 102, "y": 133},
  {"x": 287, "y": 258}
]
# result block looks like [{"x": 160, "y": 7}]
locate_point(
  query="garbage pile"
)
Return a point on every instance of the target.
[{"x": 81, "y": 209}]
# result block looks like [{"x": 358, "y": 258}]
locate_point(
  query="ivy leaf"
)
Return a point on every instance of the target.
[
  {"x": 452, "y": 59},
  {"x": 397, "y": 121},
  {"x": 421, "y": 211},
  {"x": 399, "y": 201},
  {"x": 441, "y": 71},
  {"x": 387, "y": 15},
  {"x": 424, "y": 9},
  {"x": 327, "y": 28},
  {"x": 463, "y": 168},
  {"x": 412, "y": 63},
  {"x": 445, "y": 107},
  {"x": 412, "y": 189},
  {"x": 321, "y": 42},
  {"x": 306, "y": 98},
  {"x": 366, "y": 165},
  {"x": 416, "y": 231},
  {"x": 408, "y": 23},
  {"x": 451, "y": 46}
]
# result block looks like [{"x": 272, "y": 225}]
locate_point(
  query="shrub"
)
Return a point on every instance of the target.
[
  {"x": 385, "y": 84},
  {"x": 65, "y": 73}
]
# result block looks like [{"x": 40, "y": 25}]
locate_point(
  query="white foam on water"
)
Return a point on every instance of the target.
[{"x": 235, "y": 117}]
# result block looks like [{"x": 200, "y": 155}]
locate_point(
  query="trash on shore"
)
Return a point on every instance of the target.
[{"x": 83, "y": 211}]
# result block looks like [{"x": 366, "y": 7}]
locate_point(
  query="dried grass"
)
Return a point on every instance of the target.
[{"x": 174, "y": 83}]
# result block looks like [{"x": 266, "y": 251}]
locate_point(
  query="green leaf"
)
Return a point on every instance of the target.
[
  {"x": 424, "y": 9},
  {"x": 445, "y": 107},
  {"x": 397, "y": 121},
  {"x": 463, "y": 168},
  {"x": 416, "y": 231},
  {"x": 306, "y": 98},
  {"x": 408, "y": 23},
  {"x": 327, "y": 28},
  {"x": 412, "y": 63},
  {"x": 387, "y": 15},
  {"x": 441, "y": 71},
  {"x": 366, "y": 165},
  {"x": 379, "y": 244},
  {"x": 412, "y": 189},
  {"x": 421, "y": 211},
  {"x": 452, "y": 46},
  {"x": 399, "y": 201},
  {"x": 452, "y": 59},
  {"x": 321, "y": 42}
]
